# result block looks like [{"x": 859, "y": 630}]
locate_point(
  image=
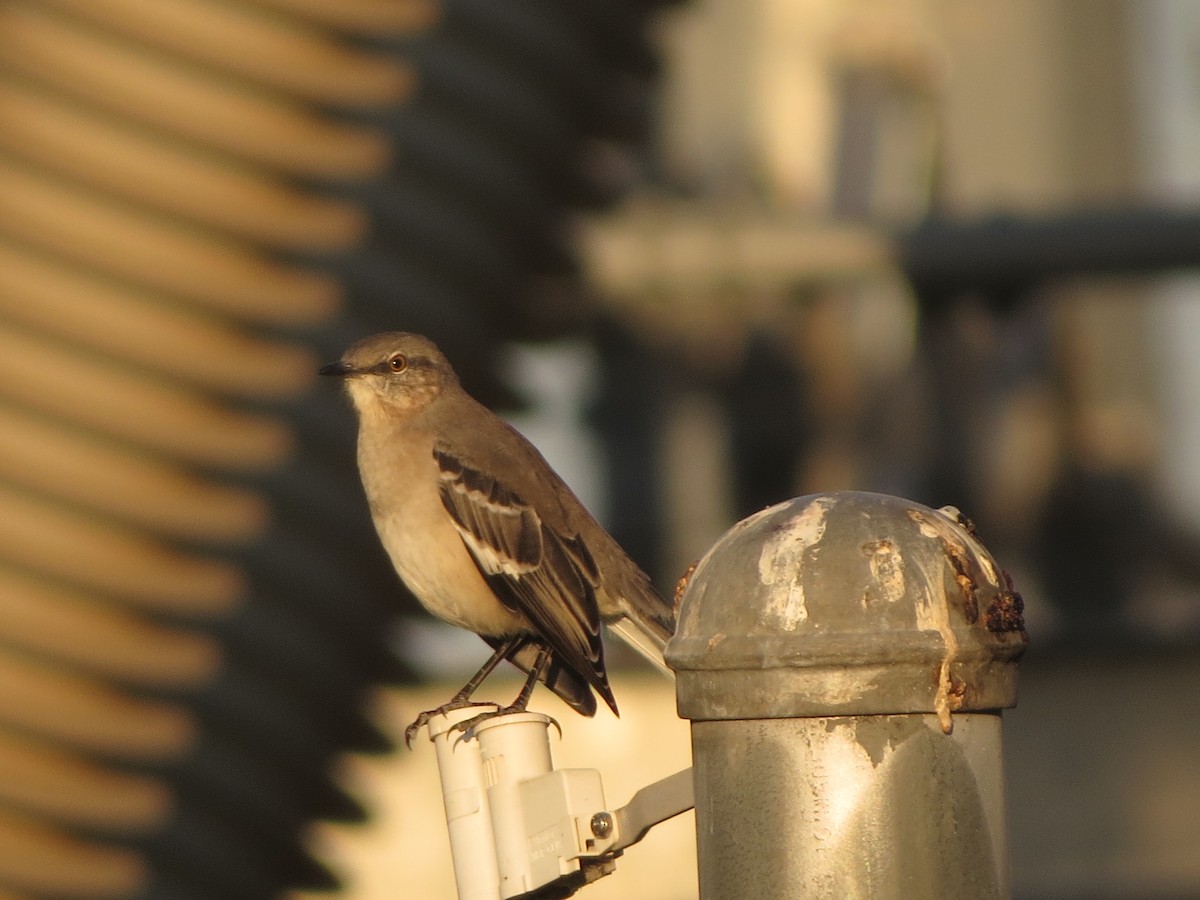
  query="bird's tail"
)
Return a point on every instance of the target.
[
  {"x": 646, "y": 641},
  {"x": 640, "y": 615}
]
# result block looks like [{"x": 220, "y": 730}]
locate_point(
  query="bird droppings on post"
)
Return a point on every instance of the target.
[
  {"x": 962, "y": 574},
  {"x": 887, "y": 568},
  {"x": 968, "y": 560},
  {"x": 781, "y": 561},
  {"x": 933, "y": 614}
]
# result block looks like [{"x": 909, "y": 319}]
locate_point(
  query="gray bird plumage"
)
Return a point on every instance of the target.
[{"x": 484, "y": 532}]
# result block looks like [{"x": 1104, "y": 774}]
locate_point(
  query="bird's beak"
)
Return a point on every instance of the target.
[{"x": 338, "y": 369}]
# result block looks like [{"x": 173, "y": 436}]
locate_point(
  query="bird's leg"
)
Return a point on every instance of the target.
[
  {"x": 463, "y": 698},
  {"x": 518, "y": 705}
]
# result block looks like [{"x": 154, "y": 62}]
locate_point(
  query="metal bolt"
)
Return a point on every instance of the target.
[{"x": 602, "y": 824}]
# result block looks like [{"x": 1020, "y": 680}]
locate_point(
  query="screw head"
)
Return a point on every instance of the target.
[{"x": 602, "y": 824}]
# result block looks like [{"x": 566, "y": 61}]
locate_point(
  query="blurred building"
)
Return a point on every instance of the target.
[{"x": 1056, "y": 407}]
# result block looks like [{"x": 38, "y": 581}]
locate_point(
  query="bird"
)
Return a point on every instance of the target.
[{"x": 486, "y": 534}]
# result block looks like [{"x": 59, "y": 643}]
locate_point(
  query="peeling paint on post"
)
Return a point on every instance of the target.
[{"x": 844, "y": 659}]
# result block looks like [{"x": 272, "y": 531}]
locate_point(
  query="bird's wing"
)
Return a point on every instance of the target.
[{"x": 549, "y": 577}]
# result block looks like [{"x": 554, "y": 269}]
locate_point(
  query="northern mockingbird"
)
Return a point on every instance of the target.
[{"x": 486, "y": 534}]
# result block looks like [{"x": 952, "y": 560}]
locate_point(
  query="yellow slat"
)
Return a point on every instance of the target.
[
  {"x": 377, "y": 17},
  {"x": 47, "y": 861},
  {"x": 146, "y": 329},
  {"x": 47, "y": 538},
  {"x": 126, "y": 484},
  {"x": 271, "y": 50},
  {"x": 229, "y": 117},
  {"x": 89, "y": 716},
  {"x": 71, "y": 789},
  {"x": 161, "y": 254},
  {"x": 101, "y": 395},
  {"x": 96, "y": 636},
  {"x": 171, "y": 176}
]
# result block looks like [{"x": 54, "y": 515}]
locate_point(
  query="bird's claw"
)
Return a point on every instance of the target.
[
  {"x": 423, "y": 719},
  {"x": 468, "y": 726}
]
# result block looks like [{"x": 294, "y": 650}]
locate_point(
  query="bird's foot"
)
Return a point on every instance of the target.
[
  {"x": 423, "y": 719},
  {"x": 468, "y": 726}
]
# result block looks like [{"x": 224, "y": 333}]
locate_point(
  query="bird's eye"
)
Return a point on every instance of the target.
[{"x": 398, "y": 363}]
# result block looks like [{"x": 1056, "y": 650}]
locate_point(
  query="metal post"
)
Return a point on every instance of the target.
[{"x": 843, "y": 658}]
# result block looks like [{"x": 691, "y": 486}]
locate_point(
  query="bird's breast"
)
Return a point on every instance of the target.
[{"x": 424, "y": 545}]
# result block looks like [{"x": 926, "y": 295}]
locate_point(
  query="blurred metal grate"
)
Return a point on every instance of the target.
[{"x": 199, "y": 199}]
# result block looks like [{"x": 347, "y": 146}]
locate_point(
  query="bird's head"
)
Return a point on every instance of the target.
[{"x": 393, "y": 372}]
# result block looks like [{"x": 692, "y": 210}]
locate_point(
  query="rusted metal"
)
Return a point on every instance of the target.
[
  {"x": 682, "y": 583},
  {"x": 843, "y": 658}
]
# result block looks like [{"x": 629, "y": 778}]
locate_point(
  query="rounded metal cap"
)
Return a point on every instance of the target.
[{"x": 847, "y": 604}]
